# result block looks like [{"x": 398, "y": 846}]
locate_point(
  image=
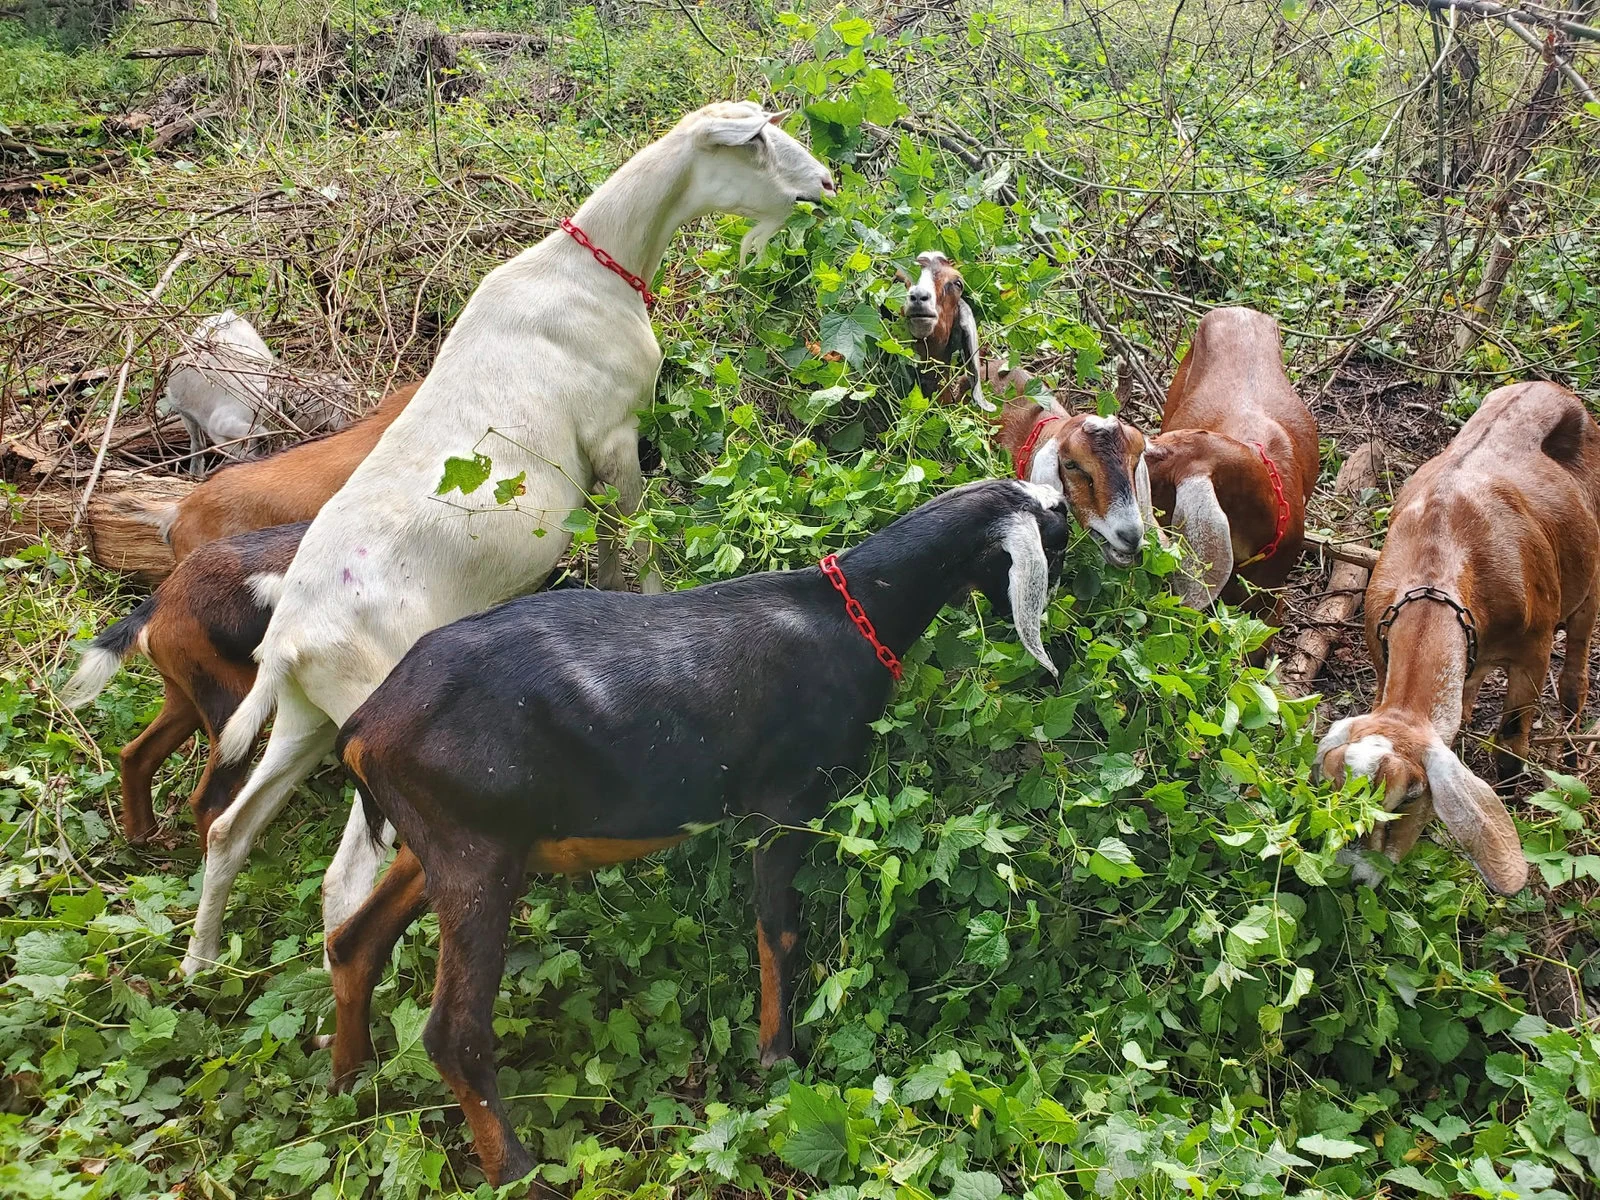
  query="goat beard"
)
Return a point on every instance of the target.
[{"x": 760, "y": 233}]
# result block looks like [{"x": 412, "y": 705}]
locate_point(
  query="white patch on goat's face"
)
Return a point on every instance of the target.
[
  {"x": 266, "y": 588},
  {"x": 1365, "y": 755},
  {"x": 922, "y": 299},
  {"x": 1106, "y": 423},
  {"x": 1029, "y": 584},
  {"x": 1120, "y": 532},
  {"x": 1338, "y": 734}
]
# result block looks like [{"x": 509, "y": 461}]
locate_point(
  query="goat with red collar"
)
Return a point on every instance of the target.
[
  {"x": 568, "y": 732},
  {"x": 1236, "y": 460},
  {"x": 1491, "y": 546},
  {"x": 1098, "y": 463}
]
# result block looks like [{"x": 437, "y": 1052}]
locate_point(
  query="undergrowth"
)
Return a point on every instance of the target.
[{"x": 1092, "y": 939}]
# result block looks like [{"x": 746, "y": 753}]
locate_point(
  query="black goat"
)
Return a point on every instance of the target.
[{"x": 572, "y": 731}]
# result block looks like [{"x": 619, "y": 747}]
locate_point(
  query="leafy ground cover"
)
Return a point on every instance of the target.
[{"x": 1074, "y": 941}]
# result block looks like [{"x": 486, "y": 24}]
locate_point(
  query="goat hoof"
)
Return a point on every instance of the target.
[{"x": 772, "y": 1057}]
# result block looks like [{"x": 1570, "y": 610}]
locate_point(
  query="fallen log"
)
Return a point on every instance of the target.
[
  {"x": 1348, "y": 552},
  {"x": 1346, "y": 582},
  {"x": 113, "y": 533}
]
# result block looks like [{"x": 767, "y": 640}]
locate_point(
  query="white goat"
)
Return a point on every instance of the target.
[
  {"x": 229, "y": 391},
  {"x": 545, "y": 372}
]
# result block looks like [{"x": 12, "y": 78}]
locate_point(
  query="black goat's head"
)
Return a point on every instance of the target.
[{"x": 1023, "y": 559}]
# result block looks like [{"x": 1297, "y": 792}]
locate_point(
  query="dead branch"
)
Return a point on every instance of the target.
[
  {"x": 1347, "y": 581},
  {"x": 1354, "y": 553}
]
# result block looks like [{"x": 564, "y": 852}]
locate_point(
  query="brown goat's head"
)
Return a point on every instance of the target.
[
  {"x": 1096, "y": 462},
  {"x": 940, "y": 320},
  {"x": 1420, "y": 775}
]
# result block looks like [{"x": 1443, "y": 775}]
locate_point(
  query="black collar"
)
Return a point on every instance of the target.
[{"x": 1463, "y": 615}]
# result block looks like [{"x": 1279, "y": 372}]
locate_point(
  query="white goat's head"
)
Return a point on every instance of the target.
[{"x": 751, "y": 167}]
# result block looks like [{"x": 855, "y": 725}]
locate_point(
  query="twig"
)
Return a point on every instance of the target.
[
  {"x": 704, "y": 37},
  {"x": 178, "y": 260},
  {"x": 1344, "y": 551}
]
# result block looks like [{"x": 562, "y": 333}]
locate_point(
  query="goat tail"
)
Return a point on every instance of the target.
[
  {"x": 239, "y": 734},
  {"x": 161, "y": 514},
  {"x": 104, "y": 656},
  {"x": 374, "y": 816}
]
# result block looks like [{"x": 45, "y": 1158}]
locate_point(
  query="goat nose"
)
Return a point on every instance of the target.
[{"x": 827, "y": 184}]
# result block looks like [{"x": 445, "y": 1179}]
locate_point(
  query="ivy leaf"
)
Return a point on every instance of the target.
[
  {"x": 852, "y": 32},
  {"x": 1113, "y": 862},
  {"x": 986, "y": 941},
  {"x": 1329, "y": 1147},
  {"x": 509, "y": 488},
  {"x": 157, "y": 1025},
  {"x": 1448, "y": 1040},
  {"x": 849, "y": 333},
  {"x": 976, "y": 1185},
  {"x": 1409, "y": 1176},
  {"x": 465, "y": 475},
  {"x": 410, "y": 1058},
  {"x": 306, "y": 1162},
  {"x": 818, "y": 1138}
]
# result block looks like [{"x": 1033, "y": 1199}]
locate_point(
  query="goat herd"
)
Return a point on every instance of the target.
[{"x": 573, "y": 728}]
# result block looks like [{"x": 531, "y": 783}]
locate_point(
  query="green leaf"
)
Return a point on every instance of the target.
[
  {"x": 1414, "y": 1179},
  {"x": 986, "y": 941},
  {"x": 818, "y": 1139},
  {"x": 410, "y": 1057},
  {"x": 157, "y": 1025},
  {"x": 1448, "y": 1040},
  {"x": 303, "y": 1161},
  {"x": 1329, "y": 1147},
  {"x": 465, "y": 475},
  {"x": 975, "y": 1185},
  {"x": 509, "y": 488},
  {"x": 852, "y": 32}
]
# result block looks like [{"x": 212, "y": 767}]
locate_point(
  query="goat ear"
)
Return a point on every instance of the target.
[
  {"x": 969, "y": 335},
  {"x": 733, "y": 131},
  {"x": 900, "y": 274},
  {"x": 1474, "y": 814},
  {"x": 1141, "y": 491},
  {"x": 1208, "y": 542},
  {"x": 1029, "y": 584},
  {"x": 778, "y": 117}
]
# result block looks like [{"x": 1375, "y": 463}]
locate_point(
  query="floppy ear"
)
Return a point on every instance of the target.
[
  {"x": 1474, "y": 814},
  {"x": 732, "y": 131},
  {"x": 1141, "y": 490},
  {"x": 1029, "y": 584},
  {"x": 969, "y": 335},
  {"x": 1208, "y": 550},
  {"x": 777, "y": 117},
  {"x": 900, "y": 274}
]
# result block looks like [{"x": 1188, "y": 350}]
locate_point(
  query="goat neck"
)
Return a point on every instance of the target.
[{"x": 1425, "y": 676}]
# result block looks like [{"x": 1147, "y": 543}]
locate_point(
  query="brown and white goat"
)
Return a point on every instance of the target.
[
  {"x": 1097, "y": 462},
  {"x": 1236, "y": 460},
  {"x": 202, "y": 625},
  {"x": 289, "y": 486},
  {"x": 1491, "y": 546},
  {"x": 944, "y": 333},
  {"x": 199, "y": 630}
]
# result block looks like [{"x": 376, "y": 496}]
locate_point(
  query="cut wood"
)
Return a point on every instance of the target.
[
  {"x": 1346, "y": 582},
  {"x": 114, "y": 535},
  {"x": 1348, "y": 552}
]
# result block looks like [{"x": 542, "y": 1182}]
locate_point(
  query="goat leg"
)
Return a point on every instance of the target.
[
  {"x": 1574, "y": 683},
  {"x": 1523, "y": 682},
  {"x": 142, "y": 758},
  {"x": 778, "y": 942},
  {"x": 358, "y": 952},
  {"x": 473, "y": 897}
]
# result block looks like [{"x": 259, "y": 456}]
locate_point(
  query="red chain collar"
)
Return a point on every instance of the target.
[
  {"x": 1024, "y": 454},
  {"x": 609, "y": 263},
  {"x": 852, "y": 607},
  {"x": 1282, "y": 524}
]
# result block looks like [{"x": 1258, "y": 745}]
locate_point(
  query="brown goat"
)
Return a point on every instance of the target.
[
  {"x": 1491, "y": 546},
  {"x": 944, "y": 332},
  {"x": 289, "y": 486},
  {"x": 1097, "y": 462},
  {"x": 199, "y": 629},
  {"x": 1236, "y": 460},
  {"x": 202, "y": 624}
]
